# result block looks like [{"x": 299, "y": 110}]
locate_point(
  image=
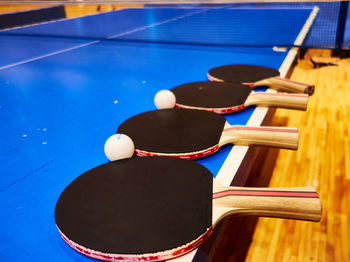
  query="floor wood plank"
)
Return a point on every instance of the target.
[{"x": 322, "y": 161}]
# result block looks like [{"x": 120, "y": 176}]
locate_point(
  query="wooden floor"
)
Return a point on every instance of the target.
[
  {"x": 4, "y": 9},
  {"x": 322, "y": 161},
  {"x": 82, "y": 10},
  {"x": 74, "y": 10}
]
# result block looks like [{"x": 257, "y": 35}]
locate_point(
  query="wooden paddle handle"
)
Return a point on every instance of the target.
[
  {"x": 296, "y": 203},
  {"x": 282, "y": 137},
  {"x": 286, "y": 85},
  {"x": 293, "y": 101}
]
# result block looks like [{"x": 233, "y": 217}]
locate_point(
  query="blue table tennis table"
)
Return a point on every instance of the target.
[{"x": 65, "y": 87}]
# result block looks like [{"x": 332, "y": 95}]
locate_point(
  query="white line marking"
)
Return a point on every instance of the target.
[
  {"x": 157, "y": 24},
  {"x": 97, "y": 41},
  {"x": 47, "y": 55},
  {"x": 59, "y": 20}
]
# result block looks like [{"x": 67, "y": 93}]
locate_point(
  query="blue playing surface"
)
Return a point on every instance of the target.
[{"x": 60, "y": 101}]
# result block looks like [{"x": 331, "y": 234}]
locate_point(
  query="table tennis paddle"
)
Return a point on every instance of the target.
[
  {"x": 255, "y": 76},
  {"x": 192, "y": 134},
  {"x": 224, "y": 98},
  {"x": 160, "y": 208}
]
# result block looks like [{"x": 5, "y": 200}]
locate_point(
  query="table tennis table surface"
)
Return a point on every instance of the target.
[{"x": 66, "y": 86}]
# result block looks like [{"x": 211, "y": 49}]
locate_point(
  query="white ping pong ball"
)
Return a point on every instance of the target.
[
  {"x": 164, "y": 99},
  {"x": 119, "y": 146}
]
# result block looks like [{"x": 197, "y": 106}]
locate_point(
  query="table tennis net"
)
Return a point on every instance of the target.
[{"x": 254, "y": 24}]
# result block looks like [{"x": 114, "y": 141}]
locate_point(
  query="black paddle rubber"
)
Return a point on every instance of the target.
[
  {"x": 174, "y": 130},
  {"x": 137, "y": 206},
  {"x": 211, "y": 94},
  {"x": 242, "y": 73}
]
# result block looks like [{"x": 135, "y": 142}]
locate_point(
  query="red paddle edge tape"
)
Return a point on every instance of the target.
[
  {"x": 165, "y": 255},
  {"x": 294, "y": 82},
  {"x": 193, "y": 155},
  {"x": 309, "y": 87},
  {"x": 211, "y": 150},
  {"x": 226, "y": 110},
  {"x": 214, "y": 79},
  {"x": 234, "y": 192},
  {"x": 280, "y": 94},
  {"x": 268, "y": 129},
  {"x": 229, "y": 110}
]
